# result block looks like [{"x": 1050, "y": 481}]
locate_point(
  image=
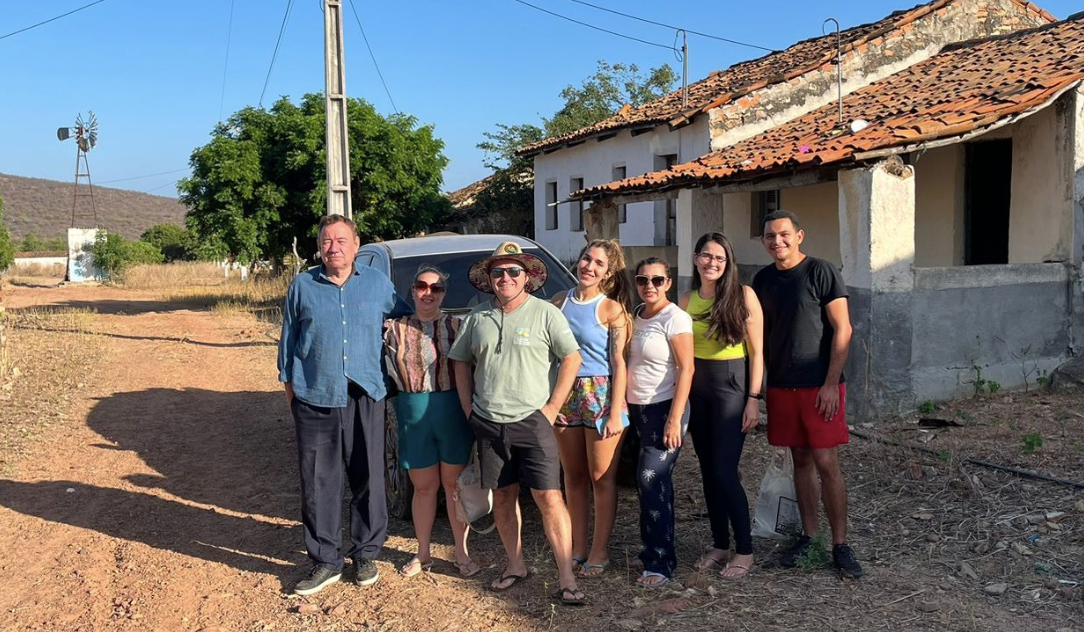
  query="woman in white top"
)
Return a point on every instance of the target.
[{"x": 660, "y": 370}]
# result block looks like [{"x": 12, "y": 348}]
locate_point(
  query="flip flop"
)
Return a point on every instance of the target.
[
  {"x": 515, "y": 580},
  {"x": 414, "y": 567},
  {"x": 707, "y": 561},
  {"x": 468, "y": 568},
  {"x": 646, "y": 574},
  {"x": 577, "y": 562},
  {"x": 570, "y": 597},
  {"x": 744, "y": 570},
  {"x": 587, "y": 567}
]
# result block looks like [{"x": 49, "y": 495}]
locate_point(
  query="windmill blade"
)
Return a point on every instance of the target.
[{"x": 63, "y": 133}]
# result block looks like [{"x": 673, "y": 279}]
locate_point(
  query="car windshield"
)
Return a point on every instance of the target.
[{"x": 461, "y": 294}]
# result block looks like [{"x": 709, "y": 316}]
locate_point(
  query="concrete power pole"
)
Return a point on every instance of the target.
[{"x": 338, "y": 142}]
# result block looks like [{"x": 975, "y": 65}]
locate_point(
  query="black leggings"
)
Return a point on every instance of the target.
[{"x": 717, "y": 402}]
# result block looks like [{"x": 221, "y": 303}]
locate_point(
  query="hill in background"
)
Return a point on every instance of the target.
[{"x": 44, "y": 207}]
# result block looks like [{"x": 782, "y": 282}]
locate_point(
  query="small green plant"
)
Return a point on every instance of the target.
[
  {"x": 977, "y": 382},
  {"x": 1042, "y": 379},
  {"x": 944, "y": 456},
  {"x": 963, "y": 416},
  {"x": 815, "y": 556},
  {"x": 926, "y": 407},
  {"x": 992, "y": 386},
  {"x": 1078, "y": 447},
  {"x": 1033, "y": 442}
]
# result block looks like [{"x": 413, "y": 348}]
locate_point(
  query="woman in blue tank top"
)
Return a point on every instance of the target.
[{"x": 590, "y": 426}]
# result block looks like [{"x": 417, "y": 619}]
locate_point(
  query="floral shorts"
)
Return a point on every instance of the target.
[{"x": 588, "y": 402}]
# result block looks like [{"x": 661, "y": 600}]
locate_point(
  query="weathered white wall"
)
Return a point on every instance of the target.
[
  {"x": 939, "y": 207},
  {"x": 1040, "y": 218},
  {"x": 594, "y": 161}
]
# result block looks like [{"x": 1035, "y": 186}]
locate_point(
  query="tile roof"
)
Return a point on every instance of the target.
[
  {"x": 725, "y": 86},
  {"x": 462, "y": 198},
  {"x": 965, "y": 88}
]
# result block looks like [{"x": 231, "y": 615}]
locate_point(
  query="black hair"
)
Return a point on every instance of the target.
[
  {"x": 728, "y": 313},
  {"x": 780, "y": 214}
]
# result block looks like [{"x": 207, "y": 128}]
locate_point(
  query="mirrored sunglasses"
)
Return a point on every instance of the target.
[
  {"x": 642, "y": 280},
  {"x": 513, "y": 272}
]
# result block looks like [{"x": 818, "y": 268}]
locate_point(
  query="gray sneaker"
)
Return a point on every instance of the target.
[
  {"x": 319, "y": 577},
  {"x": 367, "y": 572}
]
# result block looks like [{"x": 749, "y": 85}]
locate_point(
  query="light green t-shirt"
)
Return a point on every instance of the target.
[{"x": 512, "y": 384}]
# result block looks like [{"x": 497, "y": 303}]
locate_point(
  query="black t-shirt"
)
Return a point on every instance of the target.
[{"x": 797, "y": 334}]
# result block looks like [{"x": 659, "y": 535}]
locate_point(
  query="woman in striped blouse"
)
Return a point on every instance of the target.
[{"x": 434, "y": 438}]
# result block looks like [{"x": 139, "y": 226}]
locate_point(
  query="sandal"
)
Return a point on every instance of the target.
[
  {"x": 710, "y": 560},
  {"x": 646, "y": 575},
  {"x": 593, "y": 570},
  {"x": 741, "y": 570},
  {"x": 415, "y": 566},
  {"x": 468, "y": 569},
  {"x": 570, "y": 597},
  {"x": 496, "y": 587},
  {"x": 577, "y": 562}
]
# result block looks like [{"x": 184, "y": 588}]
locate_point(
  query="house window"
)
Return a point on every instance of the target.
[
  {"x": 576, "y": 184},
  {"x": 622, "y": 213},
  {"x": 987, "y": 191},
  {"x": 763, "y": 202},
  {"x": 551, "y": 206},
  {"x": 671, "y": 206}
]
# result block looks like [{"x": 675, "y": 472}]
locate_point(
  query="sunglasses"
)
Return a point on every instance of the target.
[
  {"x": 642, "y": 280},
  {"x": 435, "y": 288},
  {"x": 497, "y": 273}
]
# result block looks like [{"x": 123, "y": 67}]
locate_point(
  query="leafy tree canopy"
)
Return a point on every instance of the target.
[
  {"x": 32, "y": 243},
  {"x": 7, "y": 248},
  {"x": 171, "y": 240},
  {"x": 113, "y": 254},
  {"x": 262, "y": 180}
]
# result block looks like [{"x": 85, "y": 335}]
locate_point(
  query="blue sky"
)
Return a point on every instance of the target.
[{"x": 152, "y": 71}]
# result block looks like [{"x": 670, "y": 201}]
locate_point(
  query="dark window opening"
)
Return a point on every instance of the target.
[
  {"x": 763, "y": 202},
  {"x": 987, "y": 192},
  {"x": 576, "y": 184},
  {"x": 551, "y": 206},
  {"x": 622, "y": 211}
]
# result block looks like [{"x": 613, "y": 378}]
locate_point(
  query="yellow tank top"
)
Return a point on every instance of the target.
[{"x": 706, "y": 348}]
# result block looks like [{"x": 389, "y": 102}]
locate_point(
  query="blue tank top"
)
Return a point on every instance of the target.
[{"x": 591, "y": 334}]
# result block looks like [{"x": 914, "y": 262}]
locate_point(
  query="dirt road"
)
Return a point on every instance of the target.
[{"x": 169, "y": 501}]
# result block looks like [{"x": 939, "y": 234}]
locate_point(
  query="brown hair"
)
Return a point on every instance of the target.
[
  {"x": 328, "y": 220},
  {"x": 728, "y": 313},
  {"x": 615, "y": 285}
]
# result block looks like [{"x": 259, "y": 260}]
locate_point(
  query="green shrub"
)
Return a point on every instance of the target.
[
  {"x": 173, "y": 241},
  {"x": 113, "y": 254}
]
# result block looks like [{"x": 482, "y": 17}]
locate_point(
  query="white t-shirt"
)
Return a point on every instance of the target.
[{"x": 652, "y": 367}]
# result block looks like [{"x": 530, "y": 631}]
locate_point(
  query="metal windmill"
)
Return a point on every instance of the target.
[{"x": 85, "y": 133}]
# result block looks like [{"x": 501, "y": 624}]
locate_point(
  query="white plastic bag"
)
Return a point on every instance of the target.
[
  {"x": 472, "y": 501},
  {"x": 776, "y": 514}
]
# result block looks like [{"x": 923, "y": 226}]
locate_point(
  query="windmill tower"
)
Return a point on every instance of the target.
[{"x": 85, "y": 133}]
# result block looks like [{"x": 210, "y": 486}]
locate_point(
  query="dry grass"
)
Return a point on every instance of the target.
[
  {"x": 205, "y": 285},
  {"x": 53, "y": 354},
  {"x": 169, "y": 276},
  {"x": 36, "y": 270}
]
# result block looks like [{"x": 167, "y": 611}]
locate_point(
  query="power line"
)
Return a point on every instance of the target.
[
  {"x": 226, "y": 66},
  {"x": 149, "y": 175},
  {"x": 378, "y": 73},
  {"x": 597, "y": 28},
  {"x": 33, "y": 26},
  {"x": 669, "y": 26},
  {"x": 162, "y": 186},
  {"x": 282, "y": 29}
]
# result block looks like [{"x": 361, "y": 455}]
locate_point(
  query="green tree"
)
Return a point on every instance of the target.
[
  {"x": 262, "y": 181},
  {"x": 172, "y": 240},
  {"x": 7, "y": 247},
  {"x": 113, "y": 254},
  {"x": 511, "y": 192},
  {"x": 32, "y": 243}
]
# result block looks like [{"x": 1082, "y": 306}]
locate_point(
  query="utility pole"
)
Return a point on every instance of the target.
[{"x": 338, "y": 142}]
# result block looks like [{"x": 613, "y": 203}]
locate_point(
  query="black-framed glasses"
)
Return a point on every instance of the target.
[
  {"x": 706, "y": 258},
  {"x": 642, "y": 280},
  {"x": 513, "y": 272},
  {"x": 435, "y": 288}
]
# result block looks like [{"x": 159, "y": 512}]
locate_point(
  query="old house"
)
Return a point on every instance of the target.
[
  {"x": 733, "y": 105},
  {"x": 951, "y": 195}
]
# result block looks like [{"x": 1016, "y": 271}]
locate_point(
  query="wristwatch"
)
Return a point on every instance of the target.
[{"x": 759, "y": 396}]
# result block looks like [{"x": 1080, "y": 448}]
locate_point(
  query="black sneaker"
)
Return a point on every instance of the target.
[
  {"x": 843, "y": 560},
  {"x": 367, "y": 573},
  {"x": 790, "y": 557},
  {"x": 319, "y": 578}
]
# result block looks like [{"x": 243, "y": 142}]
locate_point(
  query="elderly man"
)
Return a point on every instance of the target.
[
  {"x": 505, "y": 355},
  {"x": 329, "y": 361}
]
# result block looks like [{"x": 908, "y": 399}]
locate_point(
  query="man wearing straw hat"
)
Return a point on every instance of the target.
[{"x": 505, "y": 355}]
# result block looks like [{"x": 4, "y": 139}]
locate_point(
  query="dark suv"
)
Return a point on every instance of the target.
[{"x": 453, "y": 254}]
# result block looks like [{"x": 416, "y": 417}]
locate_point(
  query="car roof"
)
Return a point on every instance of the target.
[{"x": 448, "y": 243}]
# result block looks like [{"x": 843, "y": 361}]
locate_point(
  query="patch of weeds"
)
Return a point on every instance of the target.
[
  {"x": 992, "y": 386},
  {"x": 815, "y": 556},
  {"x": 963, "y": 416},
  {"x": 1033, "y": 442},
  {"x": 1078, "y": 447},
  {"x": 1042, "y": 379},
  {"x": 926, "y": 407},
  {"x": 944, "y": 456}
]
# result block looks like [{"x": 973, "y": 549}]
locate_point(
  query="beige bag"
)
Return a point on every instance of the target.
[{"x": 472, "y": 502}]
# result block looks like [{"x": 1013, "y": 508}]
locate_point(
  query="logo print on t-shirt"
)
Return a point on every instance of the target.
[{"x": 523, "y": 336}]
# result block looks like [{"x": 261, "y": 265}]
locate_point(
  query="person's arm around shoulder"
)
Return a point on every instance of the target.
[
  {"x": 620, "y": 327},
  {"x": 681, "y": 345},
  {"x": 567, "y": 350},
  {"x": 754, "y": 346},
  {"x": 461, "y": 357},
  {"x": 288, "y": 339},
  {"x": 836, "y": 309}
]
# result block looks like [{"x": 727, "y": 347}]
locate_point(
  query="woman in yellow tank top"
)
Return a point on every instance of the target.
[{"x": 728, "y": 332}]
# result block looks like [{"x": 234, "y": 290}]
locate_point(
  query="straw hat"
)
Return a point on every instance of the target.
[{"x": 478, "y": 275}]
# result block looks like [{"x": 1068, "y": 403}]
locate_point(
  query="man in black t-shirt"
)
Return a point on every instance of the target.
[{"x": 807, "y": 332}]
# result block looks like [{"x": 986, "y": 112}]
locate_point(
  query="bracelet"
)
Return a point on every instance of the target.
[{"x": 759, "y": 396}]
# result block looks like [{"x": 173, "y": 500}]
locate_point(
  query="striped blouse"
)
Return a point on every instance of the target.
[{"x": 417, "y": 353}]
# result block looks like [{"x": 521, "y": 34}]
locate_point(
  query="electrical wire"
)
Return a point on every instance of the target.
[
  {"x": 33, "y": 26},
  {"x": 373, "y": 57},
  {"x": 278, "y": 41},
  {"x": 149, "y": 175},
  {"x": 226, "y": 65},
  {"x": 161, "y": 186},
  {"x": 646, "y": 21},
  {"x": 592, "y": 26}
]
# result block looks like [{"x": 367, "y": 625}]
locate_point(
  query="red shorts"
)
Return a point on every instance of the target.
[{"x": 795, "y": 422}]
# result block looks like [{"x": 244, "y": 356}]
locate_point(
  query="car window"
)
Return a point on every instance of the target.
[
  {"x": 461, "y": 294},
  {"x": 364, "y": 259}
]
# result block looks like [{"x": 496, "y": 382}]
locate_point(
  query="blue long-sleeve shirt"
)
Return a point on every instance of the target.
[{"x": 331, "y": 335}]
